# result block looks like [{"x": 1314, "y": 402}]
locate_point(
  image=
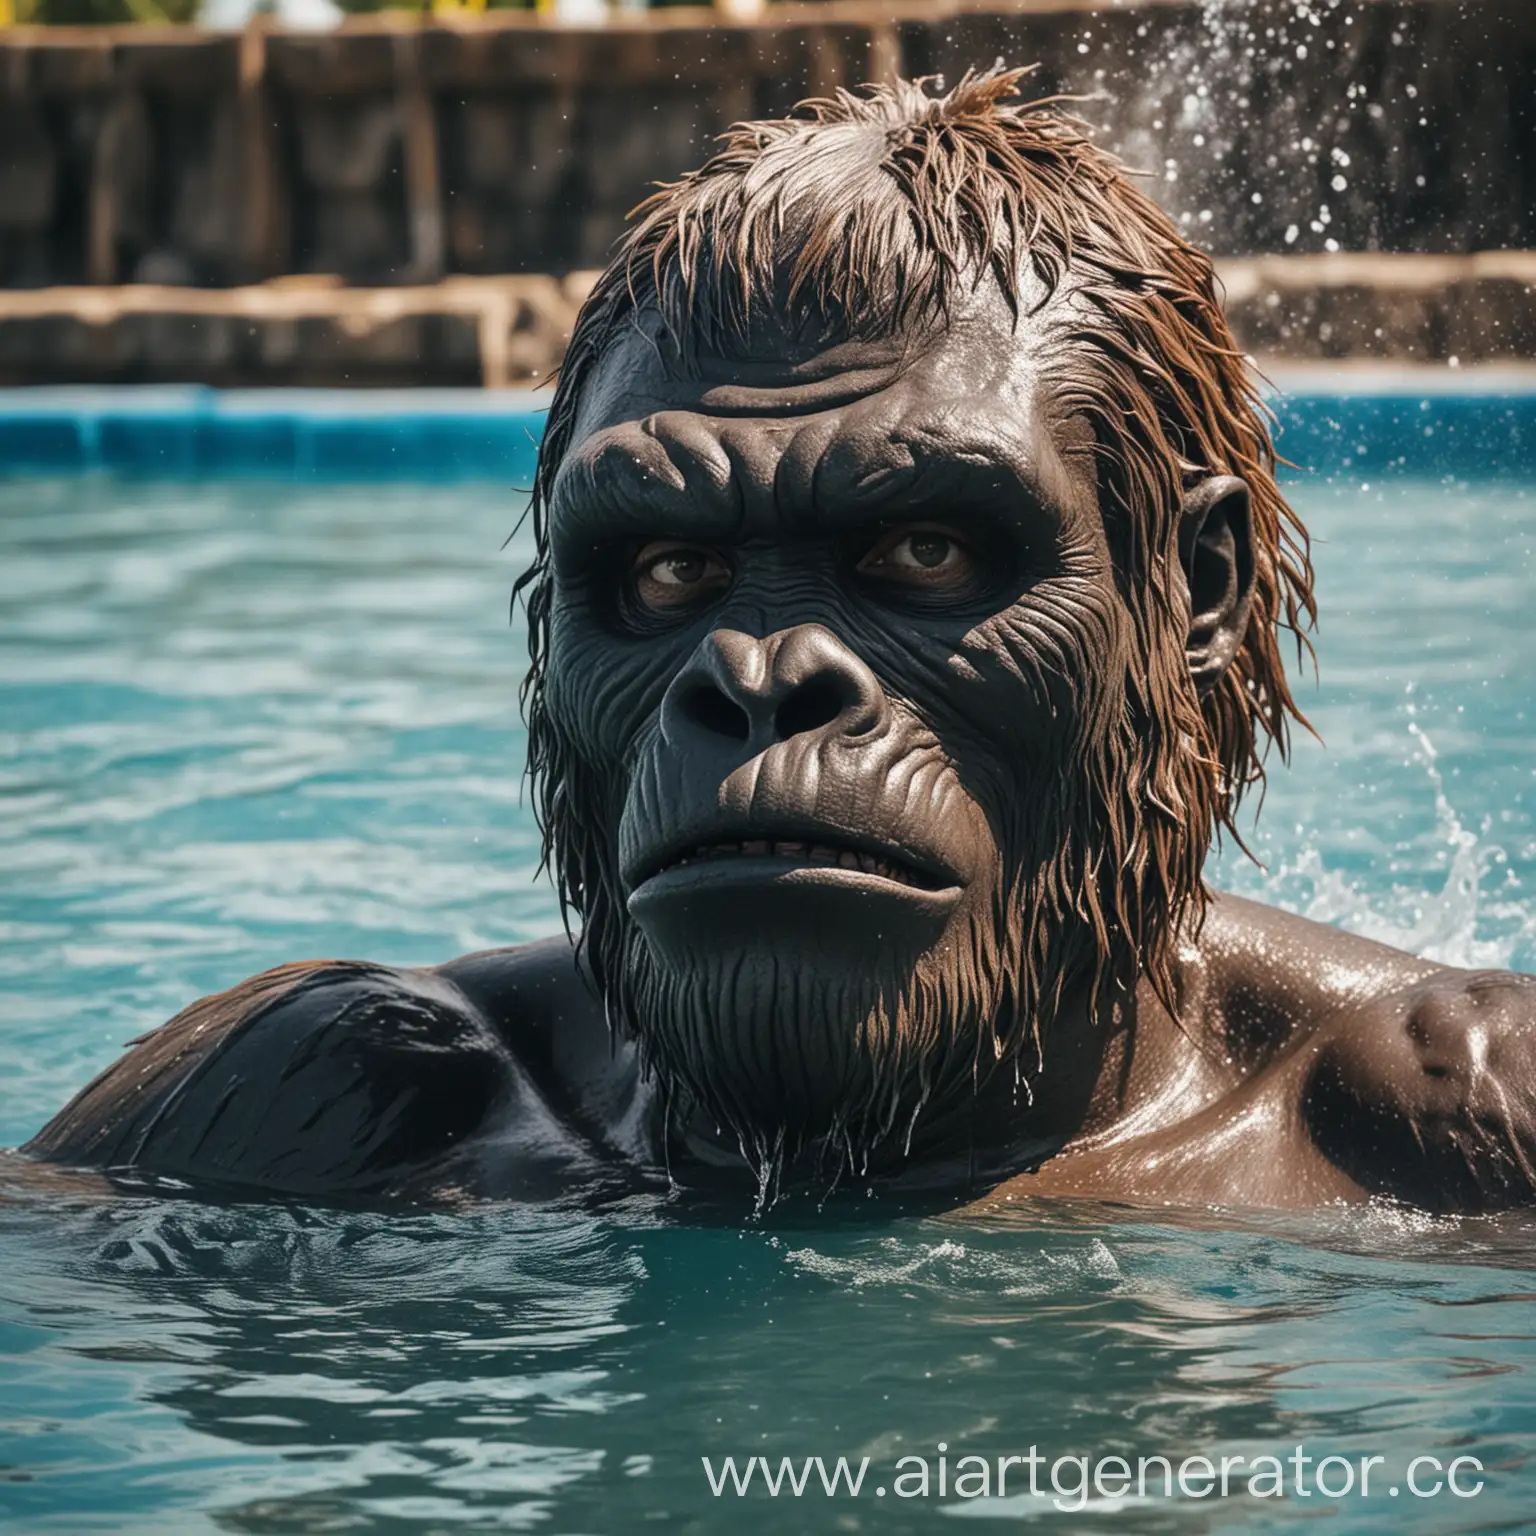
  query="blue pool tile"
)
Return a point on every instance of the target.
[
  {"x": 1463, "y": 431},
  {"x": 247, "y": 445},
  {"x": 41, "y": 444}
]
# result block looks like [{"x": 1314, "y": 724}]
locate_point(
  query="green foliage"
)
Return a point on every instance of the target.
[
  {"x": 357, "y": 7},
  {"x": 100, "y": 13},
  {"x": 95, "y": 13}
]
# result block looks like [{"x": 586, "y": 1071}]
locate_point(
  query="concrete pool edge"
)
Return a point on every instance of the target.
[{"x": 1354, "y": 418}]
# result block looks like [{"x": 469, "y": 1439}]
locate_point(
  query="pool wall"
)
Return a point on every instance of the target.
[
  {"x": 512, "y": 141},
  {"x": 422, "y": 201},
  {"x": 1471, "y": 425}
]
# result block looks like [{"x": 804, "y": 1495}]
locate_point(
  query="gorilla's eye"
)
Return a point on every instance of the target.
[
  {"x": 928, "y": 556},
  {"x": 670, "y": 576},
  {"x": 929, "y": 550}
]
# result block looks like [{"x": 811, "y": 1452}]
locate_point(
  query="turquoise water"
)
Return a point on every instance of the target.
[{"x": 248, "y": 723}]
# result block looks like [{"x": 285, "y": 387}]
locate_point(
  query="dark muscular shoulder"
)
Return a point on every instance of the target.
[
  {"x": 1428, "y": 1094},
  {"x": 1414, "y": 1080},
  {"x": 338, "y": 1078},
  {"x": 1339, "y": 1069}
]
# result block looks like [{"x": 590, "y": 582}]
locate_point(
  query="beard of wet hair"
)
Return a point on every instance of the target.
[{"x": 832, "y": 1071}]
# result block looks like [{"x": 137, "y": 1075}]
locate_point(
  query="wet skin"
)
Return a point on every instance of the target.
[{"x": 800, "y": 612}]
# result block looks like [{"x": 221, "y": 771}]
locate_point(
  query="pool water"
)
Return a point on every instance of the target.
[{"x": 249, "y": 722}]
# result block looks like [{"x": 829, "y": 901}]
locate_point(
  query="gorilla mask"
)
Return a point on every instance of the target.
[{"x": 904, "y": 622}]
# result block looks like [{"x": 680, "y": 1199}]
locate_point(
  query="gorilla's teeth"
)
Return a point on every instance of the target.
[{"x": 809, "y": 853}]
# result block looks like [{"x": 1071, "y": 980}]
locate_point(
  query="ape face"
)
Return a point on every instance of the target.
[{"x": 837, "y": 659}]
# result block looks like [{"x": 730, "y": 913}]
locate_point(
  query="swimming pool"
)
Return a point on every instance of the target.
[{"x": 258, "y": 702}]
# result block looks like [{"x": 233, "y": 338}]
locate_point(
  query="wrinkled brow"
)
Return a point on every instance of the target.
[
  {"x": 911, "y": 479},
  {"x": 625, "y": 484}
]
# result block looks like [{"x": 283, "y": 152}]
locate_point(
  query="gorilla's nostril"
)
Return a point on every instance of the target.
[
  {"x": 709, "y": 708},
  {"x": 811, "y": 706}
]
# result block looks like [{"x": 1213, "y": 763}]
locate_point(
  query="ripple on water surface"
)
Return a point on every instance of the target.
[{"x": 285, "y": 1370}]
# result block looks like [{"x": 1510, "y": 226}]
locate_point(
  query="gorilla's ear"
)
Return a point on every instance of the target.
[{"x": 1216, "y": 548}]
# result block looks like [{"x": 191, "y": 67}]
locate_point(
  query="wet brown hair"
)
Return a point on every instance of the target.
[{"x": 874, "y": 213}]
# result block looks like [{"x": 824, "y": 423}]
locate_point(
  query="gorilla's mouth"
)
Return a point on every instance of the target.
[
  {"x": 828, "y": 855},
  {"x": 770, "y": 857}
]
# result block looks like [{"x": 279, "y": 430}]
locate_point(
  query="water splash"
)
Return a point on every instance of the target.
[
  {"x": 1263, "y": 123},
  {"x": 952, "y": 1267},
  {"x": 1462, "y": 924}
]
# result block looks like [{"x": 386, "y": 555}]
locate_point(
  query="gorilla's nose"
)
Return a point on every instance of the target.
[{"x": 738, "y": 688}]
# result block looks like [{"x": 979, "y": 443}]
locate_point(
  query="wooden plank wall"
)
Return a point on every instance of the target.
[{"x": 395, "y": 152}]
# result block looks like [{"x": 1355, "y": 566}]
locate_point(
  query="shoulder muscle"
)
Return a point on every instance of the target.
[
  {"x": 1428, "y": 1094},
  {"x": 328, "y": 1077}
]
